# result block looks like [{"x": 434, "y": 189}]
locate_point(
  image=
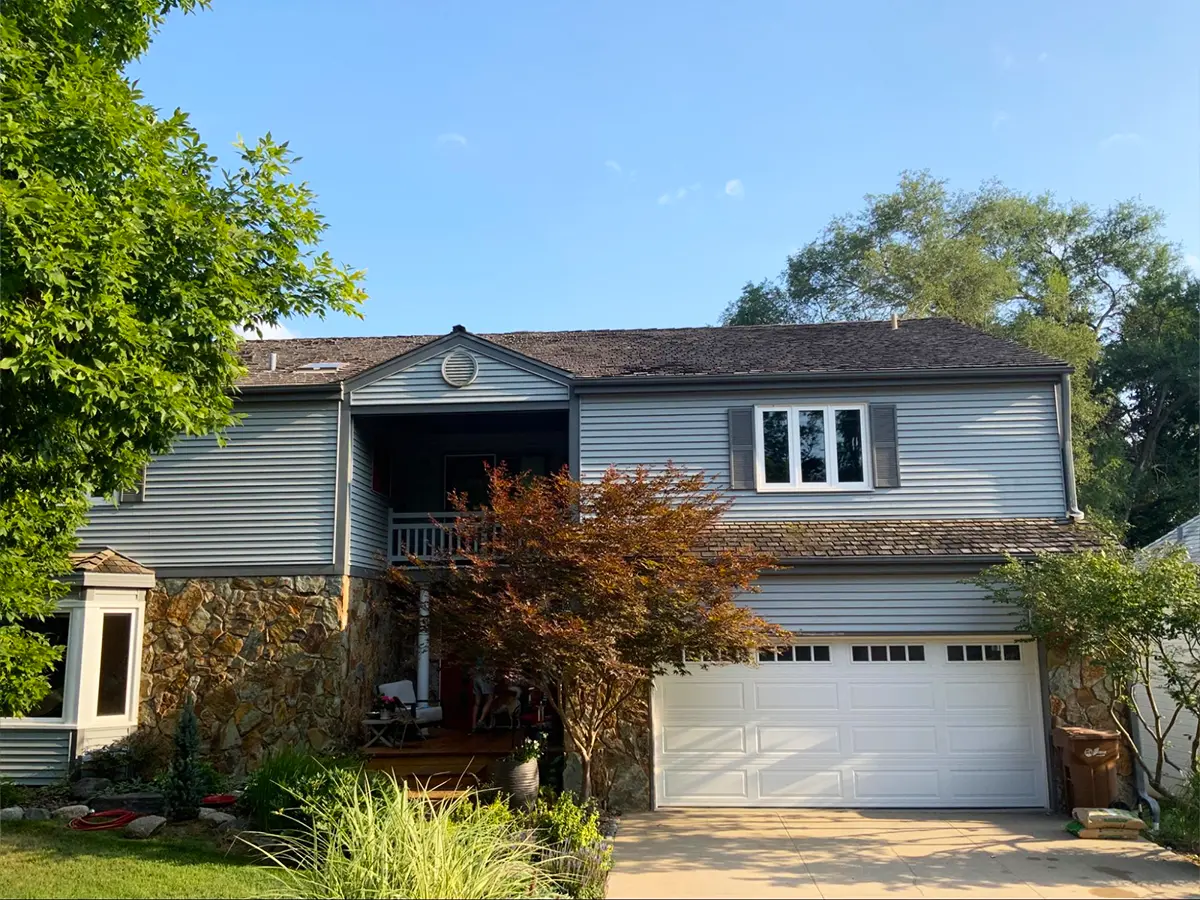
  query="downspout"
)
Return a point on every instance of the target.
[{"x": 1068, "y": 452}]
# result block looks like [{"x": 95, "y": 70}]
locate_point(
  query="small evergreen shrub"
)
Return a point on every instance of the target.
[
  {"x": 13, "y": 794},
  {"x": 140, "y": 756},
  {"x": 187, "y": 779}
]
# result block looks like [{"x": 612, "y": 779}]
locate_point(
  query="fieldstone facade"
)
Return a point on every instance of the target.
[{"x": 271, "y": 660}]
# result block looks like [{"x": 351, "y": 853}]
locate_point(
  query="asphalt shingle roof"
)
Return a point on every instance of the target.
[
  {"x": 844, "y": 347},
  {"x": 937, "y": 538}
]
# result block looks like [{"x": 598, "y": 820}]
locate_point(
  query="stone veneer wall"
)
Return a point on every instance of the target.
[{"x": 272, "y": 660}]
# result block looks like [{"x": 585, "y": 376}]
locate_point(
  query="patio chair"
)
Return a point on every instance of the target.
[{"x": 420, "y": 717}]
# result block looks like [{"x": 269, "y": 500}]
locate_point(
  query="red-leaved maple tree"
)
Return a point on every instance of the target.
[{"x": 590, "y": 590}]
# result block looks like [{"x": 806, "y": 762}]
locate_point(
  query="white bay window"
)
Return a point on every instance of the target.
[{"x": 814, "y": 447}]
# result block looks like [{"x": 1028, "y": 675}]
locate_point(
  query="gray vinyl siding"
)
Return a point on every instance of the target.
[
  {"x": 973, "y": 452},
  {"x": 368, "y": 511},
  {"x": 35, "y": 755},
  {"x": 265, "y": 499},
  {"x": 882, "y": 604},
  {"x": 497, "y": 382}
]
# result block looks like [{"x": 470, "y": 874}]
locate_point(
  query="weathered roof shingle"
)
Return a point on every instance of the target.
[
  {"x": 931, "y": 345},
  {"x": 108, "y": 562},
  {"x": 902, "y": 539}
]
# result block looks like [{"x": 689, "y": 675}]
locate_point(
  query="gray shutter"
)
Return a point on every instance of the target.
[
  {"x": 883, "y": 445},
  {"x": 741, "y": 448}
]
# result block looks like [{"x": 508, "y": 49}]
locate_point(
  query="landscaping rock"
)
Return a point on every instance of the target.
[
  {"x": 144, "y": 827},
  {"x": 12, "y": 814},
  {"x": 87, "y": 788},
  {"x": 73, "y": 811},
  {"x": 219, "y": 821},
  {"x": 37, "y": 814},
  {"x": 150, "y": 803}
]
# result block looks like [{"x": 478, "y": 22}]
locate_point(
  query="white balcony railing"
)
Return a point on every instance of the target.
[{"x": 426, "y": 536}]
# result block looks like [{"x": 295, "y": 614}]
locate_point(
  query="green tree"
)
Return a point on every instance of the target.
[
  {"x": 1059, "y": 278},
  {"x": 1136, "y": 616},
  {"x": 129, "y": 262},
  {"x": 186, "y": 780},
  {"x": 1152, "y": 372}
]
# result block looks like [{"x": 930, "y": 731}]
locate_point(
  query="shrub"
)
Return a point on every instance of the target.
[
  {"x": 142, "y": 755},
  {"x": 1180, "y": 825},
  {"x": 378, "y": 840},
  {"x": 13, "y": 794},
  {"x": 279, "y": 792},
  {"x": 576, "y": 851},
  {"x": 187, "y": 778}
]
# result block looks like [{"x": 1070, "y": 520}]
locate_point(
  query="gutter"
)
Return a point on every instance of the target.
[{"x": 1068, "y": 453}]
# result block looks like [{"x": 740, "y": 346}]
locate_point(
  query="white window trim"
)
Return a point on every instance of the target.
[{"x": 832, "y": 485}]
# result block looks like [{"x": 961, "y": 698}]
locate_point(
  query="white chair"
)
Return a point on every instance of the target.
[{"x": 410, "y": 713}]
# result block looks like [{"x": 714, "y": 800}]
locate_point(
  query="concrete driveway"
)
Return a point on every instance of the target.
[{"x": 842, "y": 853}]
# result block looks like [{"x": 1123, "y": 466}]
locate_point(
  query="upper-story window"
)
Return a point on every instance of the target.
[{"x": 811, "y": 447}]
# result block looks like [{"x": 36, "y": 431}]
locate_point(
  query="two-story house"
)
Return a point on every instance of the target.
[{"x": 882, "y": 462}]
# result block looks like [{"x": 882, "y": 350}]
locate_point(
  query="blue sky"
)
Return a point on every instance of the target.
[{"x": 545, "y": 166}]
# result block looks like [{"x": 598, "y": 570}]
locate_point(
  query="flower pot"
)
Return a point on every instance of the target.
[{"x": 517, "y": 779}]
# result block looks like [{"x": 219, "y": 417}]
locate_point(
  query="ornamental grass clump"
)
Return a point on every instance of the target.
[{"x": 376, "y": 839}]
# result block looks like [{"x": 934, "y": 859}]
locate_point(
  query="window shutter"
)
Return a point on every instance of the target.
[
  {"x": 883, "y": 445},
  {"x": 741, "y": 448}
]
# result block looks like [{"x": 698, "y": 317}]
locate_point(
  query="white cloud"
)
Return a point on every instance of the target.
[
  {"x": 613, "y": 164},
  {"x": 269, "y": 332},
  {"x": 999, "y": 120},
  {"x": 678, "y": 195},
  {"x": 1192, "y": 261},
  {"x": 452, "y": 137},
  {"x": 734, "y": 188},
  {"x": 1121, "y": 139}
]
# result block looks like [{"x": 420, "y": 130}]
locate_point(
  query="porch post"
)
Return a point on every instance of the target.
[{"x": 423, "y": 650}]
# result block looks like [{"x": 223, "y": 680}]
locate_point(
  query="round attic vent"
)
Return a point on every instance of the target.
[{"x": 459, "y": 368}]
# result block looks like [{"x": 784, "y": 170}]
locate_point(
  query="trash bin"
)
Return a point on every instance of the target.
[{"x": 1089, "y": 761}]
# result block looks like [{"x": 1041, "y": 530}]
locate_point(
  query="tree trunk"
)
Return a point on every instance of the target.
[{"x": 585, "y": 762}]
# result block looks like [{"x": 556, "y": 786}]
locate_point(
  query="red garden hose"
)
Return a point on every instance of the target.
[{"x": 102, "y": 821}]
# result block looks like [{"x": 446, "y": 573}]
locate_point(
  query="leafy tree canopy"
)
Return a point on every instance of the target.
[
  {"x": 129, "y": 265},
  {"x": 1060, "y": 278},
  {"x": 590, "y": 590}
]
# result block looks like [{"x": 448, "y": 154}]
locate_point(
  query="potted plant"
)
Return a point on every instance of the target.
[
  {"x": 517, "y": 773},
  {"x": 389, "y": 705}
]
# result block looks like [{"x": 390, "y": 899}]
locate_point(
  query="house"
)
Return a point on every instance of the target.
[
  {"x": 1183, "y": 732},
  {"x": 882, "y": 462}
]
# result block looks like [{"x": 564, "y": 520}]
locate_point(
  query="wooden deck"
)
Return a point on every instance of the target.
[{"x": 447, "y": 762}]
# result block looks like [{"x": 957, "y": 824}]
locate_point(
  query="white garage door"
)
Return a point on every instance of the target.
[{"x": 952, "y": 723}]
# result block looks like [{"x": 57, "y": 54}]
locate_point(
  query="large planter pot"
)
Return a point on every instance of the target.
[{"x": 517, "y": 779}]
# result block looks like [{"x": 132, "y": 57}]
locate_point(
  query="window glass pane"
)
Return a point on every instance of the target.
[
  {"x": 1012, "y": 651},
  {"x": 858, "y": 654},
  {"x": 114, "y": 664},
  {"x": 812, "y": 445},
  {"x": 820, "y": 654},
  {"x": 55, "y": 629},
  {"x": 954, "y": 653},
  {"x": 916, "y": 653},
  {"x": 785, "y": 654},
  {"x": 776, "y": 459},
  {"x": 849, "y": 445},
  {"x": 897, "y": 654},
  {"x": 804, "y": 654},
  {"x": 879, "y": 654},
  {"x": 991, "y": 652},
  {"x": 766, "y": 654},
  {"x": 974, "y": 653}
]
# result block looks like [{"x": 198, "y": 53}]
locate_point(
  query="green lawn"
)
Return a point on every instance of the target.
[{"x": 45, "y": 859}]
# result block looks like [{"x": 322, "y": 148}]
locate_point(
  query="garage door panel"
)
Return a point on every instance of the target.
[
  {"x": 890, "y": 696},
  {"x": 770, "y": 695},
  {"x": 893, "y": 739},
  {"x": 897, "y": 785},
  {"x": 703, "y": 739},
  {"x": 809, "y": 786},
  {"x": 689, "y": 693},
  {"x": 986, "y": 785},
  {"x": 990, "y": 739},
  {"x": 781, "y": 739},
  {"x": 888, "y": 734}
]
